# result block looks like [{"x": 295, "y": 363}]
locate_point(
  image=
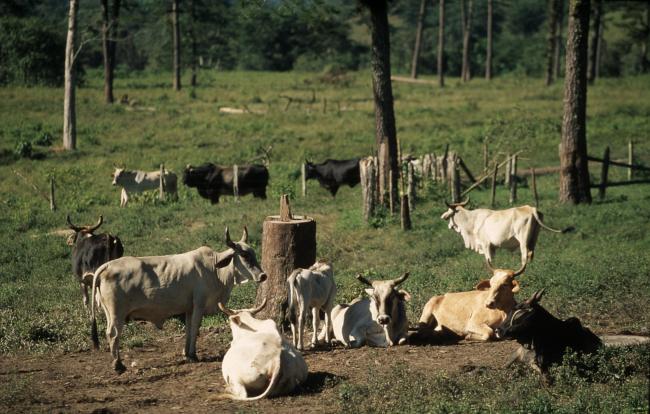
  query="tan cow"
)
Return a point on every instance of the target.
[
  {"x": 139, "y": 181},
  {"x": 477, "y": 313}
]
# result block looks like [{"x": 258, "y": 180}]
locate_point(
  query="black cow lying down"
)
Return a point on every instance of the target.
[
  {"x": 332, "y": 174},
  {"x": 213, "y": 180},
  {"x": 544, "y": 338}
]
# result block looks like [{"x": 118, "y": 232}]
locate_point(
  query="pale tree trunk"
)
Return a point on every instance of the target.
[
  {"x": 557, "y": 55},
  {"x": 488, "y": 54},
  {"x": 69, "y": 109},
  {"x": 386, "y": 135},
  {"x": 441, "y": 44},
  {"x": 193, "y": 40},
  {"x": 594, "y": 51},
  {"x": 176, "y": 34},
  {"x": 466, "y": 19},
  {"x": 574, "y": 172},
  {"x": 109, "y": 33},
  {"x": 551, "y": 41},
  {"x": 418, "y": 39}
]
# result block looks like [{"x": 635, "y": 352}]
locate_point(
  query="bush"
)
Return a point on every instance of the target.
[{"x": 23, "y": 149}]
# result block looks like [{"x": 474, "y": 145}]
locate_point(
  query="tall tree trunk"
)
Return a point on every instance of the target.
[
  {"x": 488, "y": 54},
  {"x": 69, "y": 108},
  {"x": 574, "y": 172},
  {"x": 193, "y": 40},
  {"x": 176, "y": 34},
  {"x": 551, "y": 41},
  {"x": 594, "y": 51},
  {"x": 109, "y": 33},
  {"x": 386, "y": 135},
  {"x": 441, "y": 44},
  {"x": 557, "y": 55},
  {"x": 645, "y": 63},
  {"x": 466, "y": 19},
  {"x": 418, "y": 39}
]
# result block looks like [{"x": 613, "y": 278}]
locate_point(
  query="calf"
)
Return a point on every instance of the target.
[
  {"x": 473, "y": 314},
  {"x": 332, "y": 174},
  {"x": 544, "y": 338},
  {"x": 155, "y": 288},
  {"x": 213, "y": 181},
  {"x": 139, "y": 181},
  {"x": 89, "y": 251},
  {"x": 260, "y": 362},
  {"x": 310, "y": 288}
]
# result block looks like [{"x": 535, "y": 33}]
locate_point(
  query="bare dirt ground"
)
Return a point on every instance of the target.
[{"x": 157, "y": 379}]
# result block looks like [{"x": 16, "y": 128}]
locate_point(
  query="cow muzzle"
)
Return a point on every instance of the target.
[
  {"x": 491, "y": 304},
  {"x": 383, "y": 319},
  {"x": 499, "y": 333}
]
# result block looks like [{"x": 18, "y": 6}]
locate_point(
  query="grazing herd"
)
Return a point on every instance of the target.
[{"x": 260, "y": 361}]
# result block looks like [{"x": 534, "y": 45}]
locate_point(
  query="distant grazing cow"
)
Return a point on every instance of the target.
[
  {"x": 484, "y": 230},
  {"x": 544, "y": 338},
  {"x": 332, "y": 174},
  {"x": 379, "y": 320},
  {"x": 474, "y": 314},
  {"x": 89, "y": 251},
  {"x": 155, "y": 288},
  {"x": 260, "y": 362},
  {"x": 213, "y": 181},
  {"x": 139, "y": 181},
  {"x": 310, "y": 288}
]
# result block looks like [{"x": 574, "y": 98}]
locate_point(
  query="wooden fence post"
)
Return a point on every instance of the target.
[
  {"x": 506, "y": 177},
  {"x": 391, "y": 201},
  {"x": 406, "y": 214},
  {"x": 532, "y": 173},
  {"x": 368, "y": 175},
  {"x": 455, "y": 181},
  {"x": 603, "y": 175},
  {"x": 485, "y": 155},
  {"x": 235, "y": 182},
  {"x": 513, "y": 179},
  {"x": 303, "y": 179},
  {"x": 52, "y": 201},
  {"x": 630, "y": 158},
  {"x": 410, "y": 185},
  {"x": 494, "y": 184},
  {"x": 161, "y": 189}
]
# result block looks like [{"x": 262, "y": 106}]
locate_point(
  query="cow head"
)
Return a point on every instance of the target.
[
  {"x": 244, "y": 319},
  {"x": 310, "y": 170},
  {"x": 81, "y": 231},
  {"x": 451, "y": 212},
  {"x": 243, "y": 259},
  {"x": 197, "y": 177},
  {"x": 385, "y": 297},
  {"x": 521, "y": 318},
  {"x": 501, "y": 286},
  {"x": 117, "y": 174}
]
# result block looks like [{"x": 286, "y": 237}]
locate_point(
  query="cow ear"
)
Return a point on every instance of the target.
[
  {"x": 404, "y": 295},
  {"x": 235, "y": 319},
  {"x": 370, "y": 292},
  {"x": 483, "y": 285},
  {"x": 515, "y": 286},
  {"x": 224, "y": 261}
]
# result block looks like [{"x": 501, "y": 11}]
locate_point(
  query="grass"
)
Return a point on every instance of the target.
[{"x": 598, "y": 273}]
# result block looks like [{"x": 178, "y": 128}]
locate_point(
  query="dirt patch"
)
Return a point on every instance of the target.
[{"x": 157, "y": 379}]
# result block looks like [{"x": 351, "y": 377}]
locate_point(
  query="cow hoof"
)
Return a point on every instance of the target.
[{"x": 119, "y": 367}]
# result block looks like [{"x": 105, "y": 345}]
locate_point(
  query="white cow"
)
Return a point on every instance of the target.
[
  {"x": 139, "y": 181},
  {"x": 484, "y": 230},
  {"x": 310, "y": 288},
  {"x": 155, "y": 288},
  {"x": 260, "y": 362}
]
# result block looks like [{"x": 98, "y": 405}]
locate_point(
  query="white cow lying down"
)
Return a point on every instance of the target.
[{"x": 260, "y": 362}]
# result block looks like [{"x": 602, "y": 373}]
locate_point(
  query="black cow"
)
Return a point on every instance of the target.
[
  {"x": 91, "y": 251},
  {"x": 544, "y": 338},
  {"x": 332, "y": 174},
  {"x": 213, "y": 181}
]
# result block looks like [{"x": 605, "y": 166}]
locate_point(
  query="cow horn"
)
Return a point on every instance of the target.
[
  {"x": 229, "y": 242},
  {"x": 362, "y": 279},
  {"x": 488, "y": 263},
  {"x": 454, "y": 205},
  {"x": 522, "y": 268},
  {"x": 254, "y": 311},
  {"x": 451, "y": 206},
  {"x": 72, "y": 226},
  {"x": 225, "y": 310},
  {"x": 537, "y": 296},
  {"x": 400, "y": 279},
  {"x": 244, "y": 237},
  {"x": 90, "y": 229},
  {"x": 463, "y": 203}
]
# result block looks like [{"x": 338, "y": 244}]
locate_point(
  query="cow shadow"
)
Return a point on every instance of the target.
[
  {"x": 318, "y": 381},
  {"x": 425, "y": 336}
]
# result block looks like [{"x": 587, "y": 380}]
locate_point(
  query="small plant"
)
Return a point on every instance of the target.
[
  {"x": 23, "y": 149},
  {"x": 45, "y": 140}
]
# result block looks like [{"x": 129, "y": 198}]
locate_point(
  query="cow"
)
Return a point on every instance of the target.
[
  {"x": 310, "y": 288},
  {"x": 544, "y": 338},
  {"x": 89, "y": 251},
  {"x": 213, "y": 181},
  {"x": 378, "y": 320},
  {"x": 260, "y": 362},
  {"x": 332, "y": 174},
  {"x": 139, "y": 181},
  {"x": 155, "y": 288},
  {"x": 483, "y": 230},
  {"x": 475, "y": 314}
]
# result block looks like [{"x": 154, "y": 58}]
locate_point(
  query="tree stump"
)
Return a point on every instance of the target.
[
  {"x": 368, "y": 175},
  {"x": 287, "y": 244}
]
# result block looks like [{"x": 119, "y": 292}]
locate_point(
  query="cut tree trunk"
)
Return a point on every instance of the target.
[
  {"x": 70, "y": 85},
  {"x": 574, "y": 170},
  {"x": 176, "y": 35},
  {"x": 441, "y": 44},
  {"x": 488, "y": 54},
  {"x": 418, "y": 39}
]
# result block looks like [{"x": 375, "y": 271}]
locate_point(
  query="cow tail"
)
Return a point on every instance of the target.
[
  {"x": 293, "y": 296},
  {"x": 275, "y": 378},
  {"x": 539, "y": 221},
  {"x": 93, "y": 327}
]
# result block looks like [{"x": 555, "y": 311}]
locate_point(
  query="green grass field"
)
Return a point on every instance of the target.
[{"x": 599, "y": 273}]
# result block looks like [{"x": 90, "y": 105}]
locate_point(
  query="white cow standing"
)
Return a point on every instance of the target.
[
  {"x": 139, "y": 181},
  {"x": 260, "y": 362},
  {"x": 311, "y": 288},
  {"x": 156, "y": 288}
]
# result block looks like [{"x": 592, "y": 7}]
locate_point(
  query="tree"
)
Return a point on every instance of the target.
[
  {"x": 557, "y": 63},
  {"x": 596, "y": 37},
  {"x": 193, "y": 40},
  {"x": 418, "y": 39},
  {"x": 488, "y": 54},
  {"x": 176, "y": 35},
  {"x": 466, "y": 20},
  {"x": 441, "y": 44},
  {"x": 574, "y": 171},
  {"x": 109, "y": 34},
  {"x": 552, "y": 42},
  {"x": 69, "y": 86},
  {"x": 386, "y": 135}
]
